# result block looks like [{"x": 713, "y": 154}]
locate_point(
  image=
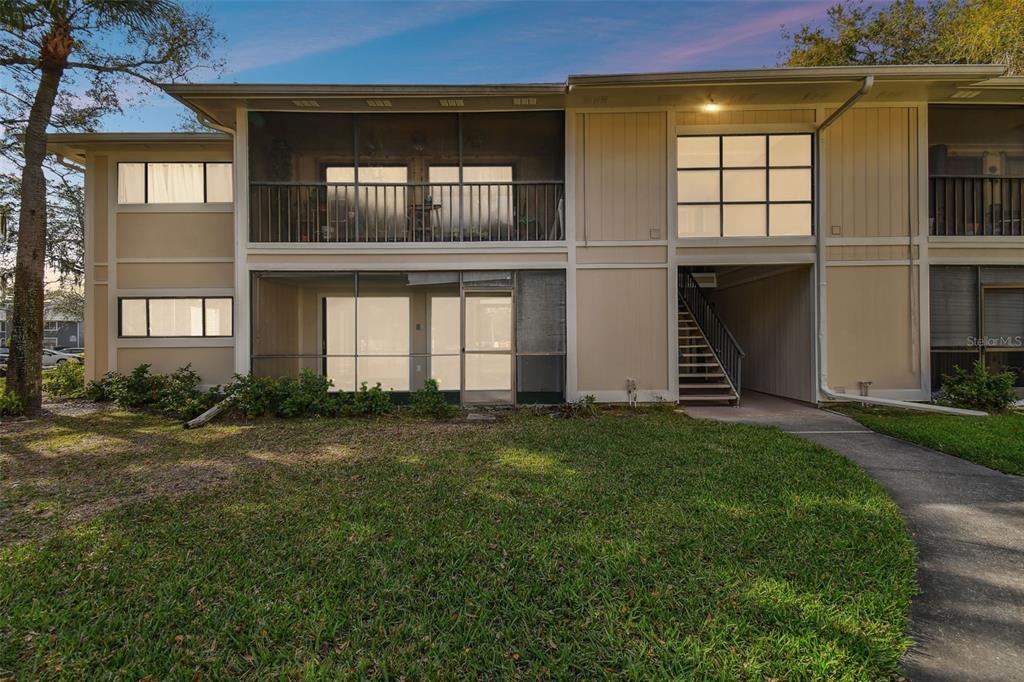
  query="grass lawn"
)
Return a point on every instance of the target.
[
  {"x": 643, "y": 544},
  {"x": 996, "y": 441}
]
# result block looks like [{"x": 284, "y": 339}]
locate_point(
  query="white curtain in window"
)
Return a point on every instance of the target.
[
  {"x": 218, "y": 317},
  {"x": 176, "y": 317},
  {"x": 131, "y": 183},
  {"x": 133, "y": 317},
  {"x": 218, "y": 183},
  {"x": 175, "y": 183}
]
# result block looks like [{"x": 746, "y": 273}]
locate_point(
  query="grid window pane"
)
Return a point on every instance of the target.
[
  {"x": 699, "y": 220},
  {"x": 743, "y": 150},
  {"x": 698, "y": 185},
  {"x": 133, "y": 317},
  {"x": 697, "y": 152},
  {"x": 744, "y": 220},
  {"x": 342, "y": 373},
  {"x": 131, "y": 183},
  {"x": 176, "y": 317},
  {"x": 789, "y": 219},
  {"x": 218, "y": 317},
  {"x": 218, "y": 183},
  {"x": 175, "y": 183},
  {"x": 790, "y": 184},
  {"x": 789, "y": 150},
  {"x": 743, "y": 185}
]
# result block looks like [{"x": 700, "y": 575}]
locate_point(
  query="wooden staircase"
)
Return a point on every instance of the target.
[{"x": 702, "y": 378}]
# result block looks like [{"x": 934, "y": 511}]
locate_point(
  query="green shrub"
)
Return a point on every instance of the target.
[
  {"x": 309, "y": 395},
  {"x": 255, "y": 396},
  {"x": 181, "y": 397},
  {"x": 370, "y": 402},
  {"x": 978, "y": 389},
  {"x": 139, "y": 388},
  {"x": 10, "y": 406},
  {"x": 430, "y": 402},
  {"x": 66, "y": 380},
  {"x": 98, "y": 390},
  {"x": 579, "y": 409}
]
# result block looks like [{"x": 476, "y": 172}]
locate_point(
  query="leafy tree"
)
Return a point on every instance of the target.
[
  {"x": 66, "y": 63},
  {"x": 908, "y": 32}
]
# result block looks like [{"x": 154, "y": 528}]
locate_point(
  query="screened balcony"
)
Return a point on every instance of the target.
[
  {"x": 384, "y": 178},
  {"x": 976, "y": 171}
]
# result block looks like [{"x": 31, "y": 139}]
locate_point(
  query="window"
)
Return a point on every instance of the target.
[
  {"x": 172, "y": 317},
  {"x": 51, "y": 326},
  {"x": 174, "y": 183},
  {"x": 744, "y": 185}
]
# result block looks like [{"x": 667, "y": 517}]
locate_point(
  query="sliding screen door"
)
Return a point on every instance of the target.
[{"x": 488, "y": 347}]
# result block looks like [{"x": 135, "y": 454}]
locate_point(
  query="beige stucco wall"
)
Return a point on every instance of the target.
[
  {"x": 175, "y": 235},
  {"x": 622, "y": 325},
  {"x": 214, "y": 364},
  {"x": 872, "y": 327},
  {"x": 621, "y": 164}
]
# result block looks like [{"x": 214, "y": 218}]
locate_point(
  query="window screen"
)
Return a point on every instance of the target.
[
  {"x": 744, "y": 185},
  {"x": 953, "y": 305}
]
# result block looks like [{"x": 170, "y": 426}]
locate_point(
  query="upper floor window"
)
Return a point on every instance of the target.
[
  {"x": 744, "y": 185},
  {"x": 174, "y": 183}
]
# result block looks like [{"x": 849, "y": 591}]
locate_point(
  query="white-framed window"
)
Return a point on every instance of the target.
[
  {"x": 175, "y": 316},
  {"x": 749, "y": 185},
  {"x": 174, "y": 183}
]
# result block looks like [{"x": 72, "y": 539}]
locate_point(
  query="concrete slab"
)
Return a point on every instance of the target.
[{"x": 967, "y": 522}]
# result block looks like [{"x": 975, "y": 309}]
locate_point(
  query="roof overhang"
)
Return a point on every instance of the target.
[
  {"x": 219, "y": 102},
  {"x": 75, "y": 146},
  {"x": 804, "y": 86}
]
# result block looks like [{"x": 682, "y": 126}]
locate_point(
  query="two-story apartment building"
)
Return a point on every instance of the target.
[{"x": 800, "y": 232}]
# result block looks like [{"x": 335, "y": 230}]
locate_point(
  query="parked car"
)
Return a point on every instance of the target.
[
  {"x": 72, "y": 351},
  {"x": 52, "y": 358}
]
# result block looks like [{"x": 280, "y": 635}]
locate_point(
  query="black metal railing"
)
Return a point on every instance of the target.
[
  {"x": 975, "y": 205},
  {"x": 406, "y": 212},
  {"x": 723, "y": 344}
]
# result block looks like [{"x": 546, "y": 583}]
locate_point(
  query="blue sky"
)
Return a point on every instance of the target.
[{"x": 329, "y": 41}]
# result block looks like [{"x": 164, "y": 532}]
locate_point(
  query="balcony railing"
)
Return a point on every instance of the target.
[
  {"x": 406, "y": 212},
  {"x": 975, "y": 205}
]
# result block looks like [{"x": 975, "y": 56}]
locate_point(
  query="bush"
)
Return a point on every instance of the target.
[
  {"x": 370, "y": 402},
  {"x": 978, "y": 389},
  {"x": 309, "y": 395},
  {"x": 579, "y": 409},
  {"x": 98, "y": 390},
  {"x": 10, "y": 406},
  {"x": 181, "y": 397},
  {"x": 430, "y": 402},
  {"x": 254, "y": 396},
  {"x": 66, "y": 380},
  {"x": 139, "y": 388}
]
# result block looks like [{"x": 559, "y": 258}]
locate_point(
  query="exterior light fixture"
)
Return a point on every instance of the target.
[{"x": 711, "y": 106}]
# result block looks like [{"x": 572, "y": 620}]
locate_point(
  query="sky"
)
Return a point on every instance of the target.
[{"x": 462, "y": 41}]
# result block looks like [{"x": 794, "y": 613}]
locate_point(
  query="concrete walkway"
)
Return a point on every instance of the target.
[{"x": 968, "y": 523}]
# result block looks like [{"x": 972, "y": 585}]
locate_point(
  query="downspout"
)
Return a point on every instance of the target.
[
  {"x": 205, "y": 120},
  {"x": 822, "y": 280}
]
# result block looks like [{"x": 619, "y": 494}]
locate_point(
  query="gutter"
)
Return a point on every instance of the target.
[{"x": 820, "y": 273}]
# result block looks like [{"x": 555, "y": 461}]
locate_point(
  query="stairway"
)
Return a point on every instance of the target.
[{"x": 702, "y": 378}]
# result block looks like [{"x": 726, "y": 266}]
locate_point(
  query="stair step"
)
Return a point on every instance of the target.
[
  {"x": 694, "y": 345},
  {"x": 693, "y": 397},
  {"x": 705, "y": 385},
  {"x": 698, "y": 364},
  {"x": 701, "y": 375}
]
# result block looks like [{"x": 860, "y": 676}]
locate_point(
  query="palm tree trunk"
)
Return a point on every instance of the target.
[{"x": 24, "y": 365}]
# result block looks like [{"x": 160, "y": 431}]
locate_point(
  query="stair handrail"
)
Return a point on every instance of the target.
[{"x": 723, "y": 344}]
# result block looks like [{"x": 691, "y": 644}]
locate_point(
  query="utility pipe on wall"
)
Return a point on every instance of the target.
[{"x": 822, "y": 278}]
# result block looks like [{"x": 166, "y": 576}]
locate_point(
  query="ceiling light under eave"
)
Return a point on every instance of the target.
[{"x": 711, "y": 107}]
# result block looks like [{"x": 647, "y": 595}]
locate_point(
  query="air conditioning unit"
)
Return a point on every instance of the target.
[{"x": 706, "y": 280}]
